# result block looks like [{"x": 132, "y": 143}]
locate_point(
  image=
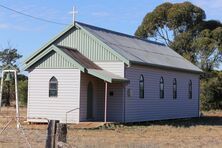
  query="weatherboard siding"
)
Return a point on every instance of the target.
[
  {"x": 151, "y": 107},
  {"x": 114, "y": 67},
  {"x": 87, "y": 45},
  {"x": 43, "y": 106},
  {"x": 114, "y": 103}
]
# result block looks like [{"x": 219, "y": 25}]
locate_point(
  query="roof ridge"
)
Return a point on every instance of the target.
[
  {"x": 120, "y": 33},
  {"x": 61, "y": 46}
]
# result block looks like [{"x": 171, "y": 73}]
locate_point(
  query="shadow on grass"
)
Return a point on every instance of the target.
[{"x": 188, "y": 122}]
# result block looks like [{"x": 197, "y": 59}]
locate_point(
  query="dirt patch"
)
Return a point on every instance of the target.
[{"x": 197, "y": 132}]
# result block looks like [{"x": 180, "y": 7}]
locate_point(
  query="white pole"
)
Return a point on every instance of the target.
[
  {"x": 17, "y": 100},
  {"x": 1, "y": 89},
  {"x": 105, "y": 108}
]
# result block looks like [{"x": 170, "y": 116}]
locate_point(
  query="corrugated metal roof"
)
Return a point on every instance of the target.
[
  {"x": 81, "y": 59},
  {"x": 141, "y": 51}
]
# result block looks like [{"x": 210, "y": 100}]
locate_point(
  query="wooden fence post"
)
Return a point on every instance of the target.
[
  {"x": 50, "y": 141},
  {"x": 61, "y": 133}
]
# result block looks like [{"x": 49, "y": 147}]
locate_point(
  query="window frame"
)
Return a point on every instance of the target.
[
  {"x": 161, "y": 87},
  {"x": 141, "y": 87},
  {"x": 53, "y": 80},
  {"x": 174, "y": 88}
]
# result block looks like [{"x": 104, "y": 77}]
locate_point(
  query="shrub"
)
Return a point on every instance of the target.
[
  {"x": 23, "y": 91},
  {"x": 211, "y": 92}
]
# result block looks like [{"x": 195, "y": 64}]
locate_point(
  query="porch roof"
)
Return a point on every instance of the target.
[
  {"x": 77, "y": 56},
  {"x": 106, "y": 75},
  {"x": 90, "y": 67}
]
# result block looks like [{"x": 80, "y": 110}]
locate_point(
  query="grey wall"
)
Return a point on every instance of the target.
[{"x": 154, "y": 108}]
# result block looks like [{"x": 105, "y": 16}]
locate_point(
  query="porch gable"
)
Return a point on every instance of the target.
[{"x": 65, "y": 57}]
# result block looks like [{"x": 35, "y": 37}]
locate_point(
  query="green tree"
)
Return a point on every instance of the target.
[
  {"x": 182, "y": 26},
  {"x": 211, "y": 92},
  {"x": 208, "y": 49},
  {"x": 169, "y": 20},
  {"x": 23, "y": 91},
  {"x": 9, "y": 56}
]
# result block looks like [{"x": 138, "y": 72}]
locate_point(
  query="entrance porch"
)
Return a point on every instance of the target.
[{"x": 100, "y": 101}]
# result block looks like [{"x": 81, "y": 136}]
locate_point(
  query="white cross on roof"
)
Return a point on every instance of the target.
[{"x": 74, "y": 12}]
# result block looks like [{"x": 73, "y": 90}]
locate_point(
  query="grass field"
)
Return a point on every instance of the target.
[{"x": 198, "y": 132}]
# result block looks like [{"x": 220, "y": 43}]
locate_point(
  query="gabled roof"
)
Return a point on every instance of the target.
[
  {"x": 45, "y": 52},
  {"x": 131, "y": 49},
  {"x": 80, "y": 61},
  {"x": 139, "y": 51}
]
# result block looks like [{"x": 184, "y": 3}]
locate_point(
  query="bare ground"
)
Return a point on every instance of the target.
[{"x": 198, "y": 132}]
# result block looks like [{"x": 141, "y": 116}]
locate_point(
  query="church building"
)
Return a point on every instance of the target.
[{"x": 88, "y": 73}]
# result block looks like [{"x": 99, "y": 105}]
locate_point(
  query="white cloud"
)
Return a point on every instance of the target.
[
  {"x": 201, "y": 3},
  {"x": 215, "y": 4},
  {"x": 100, "y": 14},
  {"x": 21, "y": 28},
  {"x": 4, "y": 26},
  {"x": 212, "y": 8}
]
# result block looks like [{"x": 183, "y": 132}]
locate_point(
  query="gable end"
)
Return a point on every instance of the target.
[
  {"x": 53, "y": 60},
  {"x": 89, "y": 46}
]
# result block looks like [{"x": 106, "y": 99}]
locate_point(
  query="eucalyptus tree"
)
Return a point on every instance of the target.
[{"x": 183, "y": 27}]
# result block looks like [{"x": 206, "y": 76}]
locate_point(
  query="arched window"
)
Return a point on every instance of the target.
[
  {"x": 141, "y": 86},
  {"x": 53, "y": 87},
  {"x": 174, "y": 88},
  {"x": 161, "y": 87},
  {"x": 190, "y": 89}
]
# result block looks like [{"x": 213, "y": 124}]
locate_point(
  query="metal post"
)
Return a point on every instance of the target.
[
  {"x": 17, "y": 100},
  {"x": 105, "y": 108},
  {"x": 2, "y": 80}
]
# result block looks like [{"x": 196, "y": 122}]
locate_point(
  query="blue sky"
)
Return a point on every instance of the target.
[{"x": 27, "y": 34}]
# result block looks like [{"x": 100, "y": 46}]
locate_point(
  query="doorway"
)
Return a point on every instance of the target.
[{"x": 90, "y": 101}]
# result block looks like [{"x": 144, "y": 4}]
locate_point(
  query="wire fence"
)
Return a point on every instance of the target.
[
  {"x": 26, "y": 135},
  {"x": 34, "y": 135},
  {"x": 29, "y": 134}
]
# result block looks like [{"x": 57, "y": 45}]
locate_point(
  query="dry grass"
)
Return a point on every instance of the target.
[
  {"x": 199, "y": 132},
  {"x": 13, "y": 138}
]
